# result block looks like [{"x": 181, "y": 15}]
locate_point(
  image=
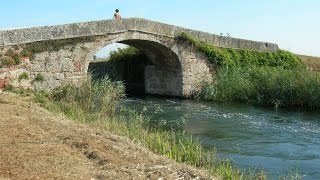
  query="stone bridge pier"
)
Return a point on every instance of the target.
[{"x": 46, "y": 57}]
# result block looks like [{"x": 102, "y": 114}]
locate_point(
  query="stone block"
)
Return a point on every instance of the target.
[
  {"x": 3, "y": 73},
  {"x": 37, "y": 67},
  {"x": 53, "y": 66},
  {"x": 67, "y": 65}
]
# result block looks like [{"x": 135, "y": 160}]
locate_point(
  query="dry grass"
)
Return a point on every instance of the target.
[
  {"x": 312, "y": 62},
  {"x": 36, "y": 144}
]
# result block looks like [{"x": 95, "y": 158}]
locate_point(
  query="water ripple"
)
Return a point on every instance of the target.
[{"x": 259, "y": 137}]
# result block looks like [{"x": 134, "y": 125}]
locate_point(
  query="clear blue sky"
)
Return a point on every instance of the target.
[{"x": 293, "y": 24}]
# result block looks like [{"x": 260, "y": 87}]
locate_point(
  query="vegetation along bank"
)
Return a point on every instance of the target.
[{"x": 278, "y": 79}]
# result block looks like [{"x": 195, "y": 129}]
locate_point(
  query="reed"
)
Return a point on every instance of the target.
[
  {"x": 271, "y": 86},
  {"x": 277, "y": 79}
]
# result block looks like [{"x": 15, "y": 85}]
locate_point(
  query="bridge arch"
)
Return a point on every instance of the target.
[{"x": 162, "y": 73}]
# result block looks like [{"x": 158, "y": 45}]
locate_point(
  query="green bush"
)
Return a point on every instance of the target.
[
  {"x": 8, "y": 61},
  {"x": 17, "y": 60},
  {"x": 23, "y": 75},
  {"x": 124, "y": 53},
  {"x": 10, "y": 52},
  {"x": 9, "y": 88},
  {"x": 38, "y": 78},
  {"x": 11, "y": 58},
  {"x": 26, "y": 53},
  {"x": 227, "y": 57}
]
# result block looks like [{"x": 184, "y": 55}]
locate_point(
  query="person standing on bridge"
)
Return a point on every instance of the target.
[{"x": 117, "y": 15}]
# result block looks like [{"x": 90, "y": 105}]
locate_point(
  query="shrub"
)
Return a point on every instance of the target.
[
  {"x": 124, "y": 53},
  {"x": 41, "y": 96},
  {"x": 38, "y": 78},
  {"x": 227, "y": 57},
  {"x": 8, "y": 87},
  {"x": 10, "y": 52},
  {"x": 8, "y": 61},
  {"x": 17, "y": 60},
  {"x": 24, "y": 75},
  {"x": 11, "y": 58},
  {"x": 26, "y": 53}
]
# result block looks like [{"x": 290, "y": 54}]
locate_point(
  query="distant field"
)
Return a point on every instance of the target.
[{"x": 311, "y": 61}]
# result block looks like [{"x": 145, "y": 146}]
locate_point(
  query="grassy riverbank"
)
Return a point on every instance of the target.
[
  {"x": 96, "y": 102},
  {"x": 277, "y": 79}
]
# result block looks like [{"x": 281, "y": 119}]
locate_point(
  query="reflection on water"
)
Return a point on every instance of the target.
[{"x": 275, "y": 141}]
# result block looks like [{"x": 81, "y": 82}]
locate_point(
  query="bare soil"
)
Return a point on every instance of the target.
[{"x": 37, "y": 144}]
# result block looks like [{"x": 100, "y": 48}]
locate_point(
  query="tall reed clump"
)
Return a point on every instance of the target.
[
  {"x": 276, "y": 79},
  {"x": 265, "y": 86},
  {"x": 88, "y": 100}
]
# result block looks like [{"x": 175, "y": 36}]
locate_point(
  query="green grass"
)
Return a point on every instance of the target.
[
  {"x": 19, "y": 91},
  {"x": 38, "y": 78},
  {"x": 10, "y": 58},
  {"x": 269, "y": 86},
  {"x": 23, "y": 75}
]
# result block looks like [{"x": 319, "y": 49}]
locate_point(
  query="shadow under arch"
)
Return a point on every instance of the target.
[{"x": 161, "y": 70}]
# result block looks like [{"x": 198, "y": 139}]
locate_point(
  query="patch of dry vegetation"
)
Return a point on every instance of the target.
[{"x": 312, "y": 62}]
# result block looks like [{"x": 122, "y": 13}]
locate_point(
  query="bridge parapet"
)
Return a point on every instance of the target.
[{"x": 107, "y": 27}]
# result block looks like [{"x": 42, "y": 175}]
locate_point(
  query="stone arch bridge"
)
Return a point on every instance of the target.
[{"x": 53, "y": 55}]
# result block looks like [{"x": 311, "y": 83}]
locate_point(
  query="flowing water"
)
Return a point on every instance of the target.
[{"x": 279, "y": 142}]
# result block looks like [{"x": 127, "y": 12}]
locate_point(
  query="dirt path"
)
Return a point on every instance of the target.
[{"x": 35, "y": 144}]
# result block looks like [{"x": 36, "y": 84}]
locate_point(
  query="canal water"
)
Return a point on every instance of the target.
[{"x": 279, "y": 142}]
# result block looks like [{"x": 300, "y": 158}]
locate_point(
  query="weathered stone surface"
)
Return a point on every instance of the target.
[
  {"x": 175, "y": 68},
  {"x": 163, "y": 81},
  {"x": 67, "y": 65},
  {"x": 106, "y": 27}
]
